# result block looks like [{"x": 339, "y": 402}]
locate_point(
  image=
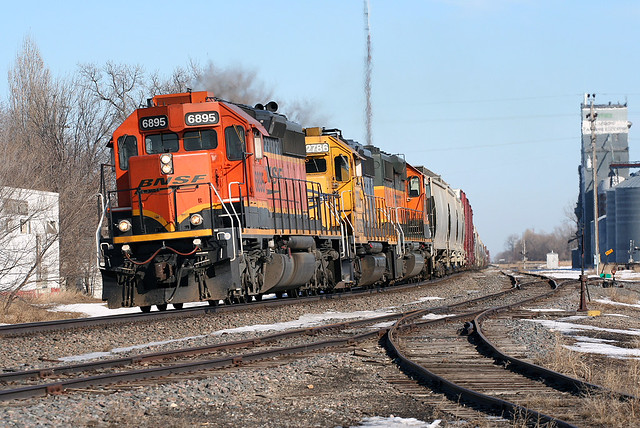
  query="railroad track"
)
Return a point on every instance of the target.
[
  {"x": 22, "y": 329},
  {"x": 57, "y": 379},
  {"x": 469, "y": 369}
]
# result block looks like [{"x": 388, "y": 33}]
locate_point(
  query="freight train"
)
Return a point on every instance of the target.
[{"x": 218, "y": 201}]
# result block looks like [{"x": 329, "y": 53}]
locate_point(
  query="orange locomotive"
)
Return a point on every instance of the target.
[{"x": 211, "y": 203}]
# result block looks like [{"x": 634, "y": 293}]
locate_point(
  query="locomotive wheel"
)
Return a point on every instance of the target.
[
  {"x": 258, "y": 297},
  {"x": 162, "y": 307},
  {"x": 145, "y": 309},
  {"x": 293, "y": 293},
  {"x": 213, "y": 302},
  {"x": 177, "y": 305},
  {"x": 279, "y": 294}
]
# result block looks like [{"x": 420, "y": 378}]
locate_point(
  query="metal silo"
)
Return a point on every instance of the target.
[
  {"x": 627, "y": 218},
  {"x": 611, "y": 225}
]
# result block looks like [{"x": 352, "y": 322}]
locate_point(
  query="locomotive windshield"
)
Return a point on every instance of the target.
[
  {"x": 234, "y": 135},
  {"x": 161, "y": 143},
  {"x": 127, "y": 147},
  {"x": 315, "y": 165},
  {"x": 414, "y": 187},
  {"x": 200, "y": 140}
]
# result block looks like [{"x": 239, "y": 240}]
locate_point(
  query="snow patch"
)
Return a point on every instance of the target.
[
  {"x": 305, "y": 321},
  {"x": 394, "y": 421}
]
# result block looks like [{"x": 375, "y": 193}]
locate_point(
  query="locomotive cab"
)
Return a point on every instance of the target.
[{"x": 181, "y": 172}]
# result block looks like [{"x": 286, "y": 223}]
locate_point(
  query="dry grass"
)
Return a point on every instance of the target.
[
  {"x": 622, "y": 295},
  {"x": 565, "y": 361},
  {"x": 604, "y": 409},
  {"x": 34, "y": 308}
]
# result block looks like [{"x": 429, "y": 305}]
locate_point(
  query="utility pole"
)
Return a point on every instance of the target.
[
  {"x": 594, "y": 167},
  {"x": 524, "y": 252}
]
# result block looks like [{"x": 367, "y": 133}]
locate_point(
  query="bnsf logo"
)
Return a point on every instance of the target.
[{"x": 165, "y": 181}]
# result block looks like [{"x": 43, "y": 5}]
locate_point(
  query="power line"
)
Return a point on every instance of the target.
[
  {"x": 500, "y": 100},
  {"x": 484, "y": 146},
  {"x": 475, "y": 119}
]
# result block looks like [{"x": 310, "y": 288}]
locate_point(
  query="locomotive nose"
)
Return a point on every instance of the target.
[{"x": 170, "y": 191}]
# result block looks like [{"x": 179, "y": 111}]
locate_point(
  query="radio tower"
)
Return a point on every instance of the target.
[{"x": 367, "y": 74}]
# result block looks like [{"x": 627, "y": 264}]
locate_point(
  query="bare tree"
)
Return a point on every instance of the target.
[
  {"x": 538, "y": 245},
  {"x": 120, "y": 85},
  {"x": 181, "y": 80},
  {"x": 58, "y": 127}
]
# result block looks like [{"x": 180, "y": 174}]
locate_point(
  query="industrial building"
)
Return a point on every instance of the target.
[
  {"x": 616, "y": 202},
  {"x": 29, "y": 254}
]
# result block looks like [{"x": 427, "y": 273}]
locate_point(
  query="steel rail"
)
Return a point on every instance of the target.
[
  {"x": 44, "y": 326},
  {"x": 37, "y": 327},
  {"x": 157, "y": 356},
  {"x": 157, "y": 372},
  {"x": 496, "y": 405},
  {"x": 569, "y": 383}
]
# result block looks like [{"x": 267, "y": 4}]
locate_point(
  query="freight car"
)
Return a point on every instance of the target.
[{"x": 213, "y": 200}]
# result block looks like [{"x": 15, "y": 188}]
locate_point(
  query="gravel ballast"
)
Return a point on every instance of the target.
[{"x": 324, "y": 389}]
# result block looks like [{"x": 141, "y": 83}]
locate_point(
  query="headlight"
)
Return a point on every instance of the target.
[
  {"x": 166, "y": 163},
  {"x": 224, "y": 236},
  {"x": 196, "y": 220},
  {"x": 124, "y": 226},
  {"x": 166, "y": 168}
]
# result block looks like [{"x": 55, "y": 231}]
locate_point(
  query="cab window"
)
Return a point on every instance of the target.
[
  {"x": 161, "y": 143},
  {"x": 414, "y": 187},
  {"x": 200, "y": 140},
  {"x": 234, "y": 136},
  {"x": 341, "y": 164},
  {"x": 315, "y": 165},
  {"x": 127, "y": 147}
]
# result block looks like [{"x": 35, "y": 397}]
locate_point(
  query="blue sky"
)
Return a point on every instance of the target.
[{"x": 485, "y": 93}]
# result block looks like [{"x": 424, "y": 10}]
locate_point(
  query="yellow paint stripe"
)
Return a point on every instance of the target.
[
  {"x": 155, "y": 216},
  {"x": 162, "y": 236}
]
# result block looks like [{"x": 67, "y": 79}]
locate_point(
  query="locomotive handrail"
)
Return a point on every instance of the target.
[
  {"x": 233, "y": 235},
  {"x": 412, "y": 222},
  {"x": 346, "y": 217},
  {"x": 98, "y": 230},
  {"x": 343, "y": 252},
  {"x": 384, "y": 211},
  {"x": 369, "y": 206},
  {"x": 236, "y": 213},
  {"x": 401, "y": 235},
  {"x": 332, "y": 218}
]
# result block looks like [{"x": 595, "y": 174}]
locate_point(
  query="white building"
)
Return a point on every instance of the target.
[
  {"x": 29, "y": 242},
  {"x": 552, "y": 260}
]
